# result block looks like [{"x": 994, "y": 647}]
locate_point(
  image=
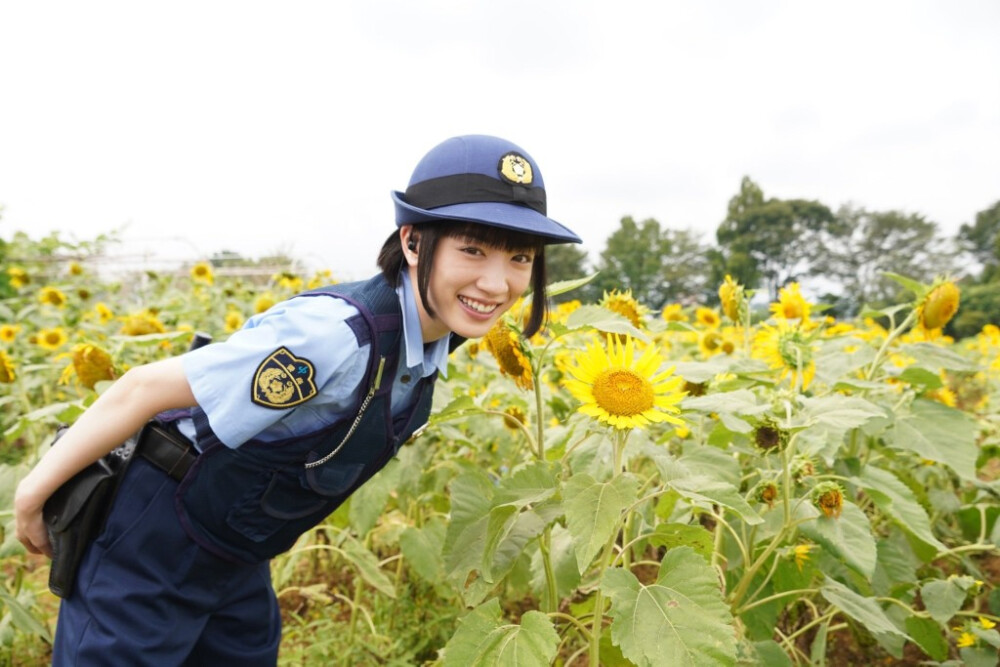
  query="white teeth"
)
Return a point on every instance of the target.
[{"x": 478, "y": 307}]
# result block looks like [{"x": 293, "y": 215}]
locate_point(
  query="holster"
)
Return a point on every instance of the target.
[{"x": 75, "y": 514}]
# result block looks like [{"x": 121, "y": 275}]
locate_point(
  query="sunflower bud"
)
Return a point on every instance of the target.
[
  {"x": 731, "y": 296},
  {"x": 828, "y": 497},
  {"x": 766, "y": 492},
  {"x": 939, "y": 306}
]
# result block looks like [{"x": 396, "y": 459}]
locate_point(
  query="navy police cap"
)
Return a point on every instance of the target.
[{"x": 483, "y": 179}]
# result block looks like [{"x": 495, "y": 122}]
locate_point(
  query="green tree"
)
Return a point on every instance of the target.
[
  {"x": 566, "y": 261},
  {"x": 773, "y": 241},
  {"x": 982, "y": 240},
  {"x": 658, "y": 265},
  {"x": 876, "y": 242}
]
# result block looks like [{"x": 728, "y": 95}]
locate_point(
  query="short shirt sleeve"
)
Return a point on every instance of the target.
[{"x": 287, "y": 372}]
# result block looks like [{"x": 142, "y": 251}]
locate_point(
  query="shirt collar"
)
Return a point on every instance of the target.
[{"x": 430, "y": 357}]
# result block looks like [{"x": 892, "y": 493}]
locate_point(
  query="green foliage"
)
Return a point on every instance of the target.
[
  {"x": 773, "y": 238},
  {"x": 982, "y": 238},
  {"x": 658, "y": 265}
]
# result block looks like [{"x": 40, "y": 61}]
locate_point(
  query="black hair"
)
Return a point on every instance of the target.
[{"x": 391, "y": 259}]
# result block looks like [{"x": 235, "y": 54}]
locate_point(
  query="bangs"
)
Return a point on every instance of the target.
[{"x": 496, "y": 237}]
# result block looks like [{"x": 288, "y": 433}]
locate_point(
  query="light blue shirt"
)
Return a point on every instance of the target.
[{"x": 313, "y": 329}]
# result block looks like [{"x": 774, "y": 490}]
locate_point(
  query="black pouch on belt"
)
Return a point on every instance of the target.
[{"x": 74, "y": 515}]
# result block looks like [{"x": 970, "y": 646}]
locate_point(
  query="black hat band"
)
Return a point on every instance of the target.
[{"x": 472, "y": 188}]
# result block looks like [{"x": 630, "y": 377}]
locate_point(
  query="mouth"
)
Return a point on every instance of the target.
[{"x": 480, "y": 307}]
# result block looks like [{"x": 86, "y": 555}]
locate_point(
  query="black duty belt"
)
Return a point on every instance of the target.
[{"x": 170, "y": 452}]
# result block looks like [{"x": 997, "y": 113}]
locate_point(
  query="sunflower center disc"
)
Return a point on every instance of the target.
[{"x": 623, "y": 393}]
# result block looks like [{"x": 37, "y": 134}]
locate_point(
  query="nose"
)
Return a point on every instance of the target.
[{"x": 494, "y": 279}]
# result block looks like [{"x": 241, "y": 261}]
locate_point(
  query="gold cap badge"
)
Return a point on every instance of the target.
[{"x": 515, "y": 168}]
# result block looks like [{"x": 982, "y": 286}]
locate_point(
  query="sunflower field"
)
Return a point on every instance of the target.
[{"x": 752, "y": 483}]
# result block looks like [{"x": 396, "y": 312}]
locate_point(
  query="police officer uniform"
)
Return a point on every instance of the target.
[{"x": 294, "y": 412}]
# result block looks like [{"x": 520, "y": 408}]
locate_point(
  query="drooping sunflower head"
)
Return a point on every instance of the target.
[
  {"x": 514, "y": 418},
  {"x": 939, "y": 306},
  {"x": 768, "y": 435},
  {"x": 91, "y": 365},
  {"x": 788, "y": 349},
  {"x": 505, "y": 345},
  {"x": 202, "y": 273},
  {"x": 625, "y": 305},
  {"x": 766, "y": 492},
  {"x": 52, "y": 297},
  {"x": 707, "y": 317},
  {"x": 828, "y": 497},
  {"x": 51, "y": 339},
  {"x": 7, "y": 374},
  {"x": 732, "y": 299},
  {"x": 142, "y": 323},
  {"x": 791, "y": 304},
  {"x": 622, "y": 391}
]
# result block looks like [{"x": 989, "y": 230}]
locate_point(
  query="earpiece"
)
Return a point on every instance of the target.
[{"x": 411, "y": 245}]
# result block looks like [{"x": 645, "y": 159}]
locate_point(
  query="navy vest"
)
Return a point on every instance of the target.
[{"x": 253, "y": 502}]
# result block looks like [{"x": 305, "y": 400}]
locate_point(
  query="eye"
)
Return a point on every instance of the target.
[
  {"x": 471, "y": 250},
  {"x": 523, "y": 258}
]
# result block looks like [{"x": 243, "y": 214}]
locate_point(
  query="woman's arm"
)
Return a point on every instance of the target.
[{"x": 122, "y": 410}]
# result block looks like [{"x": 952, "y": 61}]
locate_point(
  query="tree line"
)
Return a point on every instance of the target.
[{"x": 766, "y": 242}]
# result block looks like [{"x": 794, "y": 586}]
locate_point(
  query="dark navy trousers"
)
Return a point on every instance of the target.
[{"x": 146, "y": 594}]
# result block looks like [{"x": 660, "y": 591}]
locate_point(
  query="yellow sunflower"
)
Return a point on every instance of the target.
[
  {"x": 52, "y": 339},
  {"x": 505, "y": 345},
  {"x": 52, "y": 297},
  {"x": 75, "y": 269},
  {"x": 674, "y": 312},
  {"x": 791, "y": 304},
  {"x": 626, "y": 306},
  {"x": 202, "y": 273},
  {"x": 142, "y": 323},
  {"x": 622, "y": 391},
  {"x": 90, "y": 364},
  {"x": 939, "y": 306},
  {"x": 710, "y": 343},
  {"x": 8, "y": 332},
  {"x": 7, "y": 374},
  {"x": 731, "y": 297},
  {"x": 18, "y": 277},
  {"x": 103, "y": 312},
  {"x": 785, "y": 347},
  {"x": 288, "y": 281},
  {"x": 707, "y": 317},
  {"x": 234, "y": 320},
  {"x": 321, "y": 279}
]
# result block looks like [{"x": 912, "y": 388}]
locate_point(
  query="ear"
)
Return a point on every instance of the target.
[{"x": 410, "y": 244}]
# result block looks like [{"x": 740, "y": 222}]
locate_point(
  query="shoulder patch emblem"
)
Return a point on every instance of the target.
[
  {"x": 283, "y": 380},
  {"x": 515, "y": 168}
]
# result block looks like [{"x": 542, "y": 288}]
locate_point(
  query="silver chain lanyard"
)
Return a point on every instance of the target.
[{"x": 357, "y": 420}]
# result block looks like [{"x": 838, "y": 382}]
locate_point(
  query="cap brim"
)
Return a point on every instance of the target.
[{"x": 496, "y": 214}]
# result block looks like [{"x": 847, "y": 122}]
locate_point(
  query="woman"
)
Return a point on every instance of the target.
[{"x": 281, "y": 423}]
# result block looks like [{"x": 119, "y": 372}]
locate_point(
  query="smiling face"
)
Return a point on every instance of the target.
[{"x": 471, "y": 285}]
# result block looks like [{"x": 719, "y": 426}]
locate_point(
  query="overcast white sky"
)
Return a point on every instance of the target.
[{"x": 252, "y": 126}]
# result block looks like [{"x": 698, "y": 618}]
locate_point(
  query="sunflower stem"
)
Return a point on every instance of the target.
[{"x": 893, "y": 335}]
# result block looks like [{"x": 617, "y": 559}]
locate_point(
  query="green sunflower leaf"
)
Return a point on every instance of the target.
[
  {"x": 679, "y": 620},
  {"x": 484, "y": 638},
  {"x": 602, "y": 319},
  {"x": 593, "y": 510}
]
